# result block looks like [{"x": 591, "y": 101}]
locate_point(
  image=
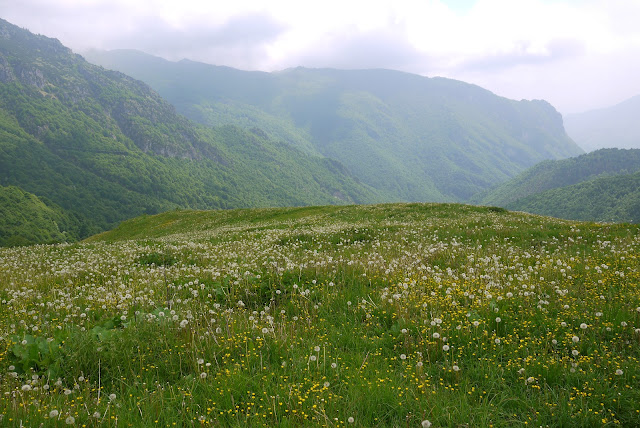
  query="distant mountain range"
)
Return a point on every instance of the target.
[
  {"x": 603, "y": 185},
  {"x": 617, "y": 126},
  {"x": 83, "y": 148},
  {"x": 104, "y": 147},
  {"x": 407, "y": 136}
]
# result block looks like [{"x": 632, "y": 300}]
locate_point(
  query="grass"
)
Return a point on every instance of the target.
[{"x": 386, "y": 315}]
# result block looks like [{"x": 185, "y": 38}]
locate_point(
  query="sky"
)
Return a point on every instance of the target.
[{"x": 577, "y": 54}]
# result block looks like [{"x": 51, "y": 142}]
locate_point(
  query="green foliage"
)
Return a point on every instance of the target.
[
  {"x": 609, "y": 199},
  {"x": 597, "y": 186},
  {"x": 104, "y": 147},
  {"x": 383, "y": 315},
  {"x": 25, "y": 219},
  {"x": 409, "y": 137}
]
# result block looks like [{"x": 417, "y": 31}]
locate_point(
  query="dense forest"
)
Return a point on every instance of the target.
[
  {"x": 598, "y": 186},
  {"x": 104, "y": 147},
  {"x": 410, "y": 137}
]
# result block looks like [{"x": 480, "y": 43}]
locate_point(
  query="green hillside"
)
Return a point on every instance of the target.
[
  {"x": 408, "y": 136},
  {"x": 615, "y": 126},
  {"x": 608, "y": 199},
  {"x": 549, "y": 175},
  {"x": 25, "y": 219},
  {"x": 394, "y": 315},
  {"x": 105, "y": 147}
]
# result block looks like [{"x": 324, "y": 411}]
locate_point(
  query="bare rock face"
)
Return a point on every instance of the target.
[{"x": 6, "y": 71}]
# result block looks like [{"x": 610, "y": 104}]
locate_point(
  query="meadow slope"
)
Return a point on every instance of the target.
[{"x": 364, "y": 316}]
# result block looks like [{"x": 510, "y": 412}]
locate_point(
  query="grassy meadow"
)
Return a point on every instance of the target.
[{"x": 408, "y": 315}]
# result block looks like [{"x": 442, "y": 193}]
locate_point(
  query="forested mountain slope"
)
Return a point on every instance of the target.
[
  {"x": 408, "y": 136},
  {"x": 599, "y": 186},
  {"x": 106, "y": 147}
]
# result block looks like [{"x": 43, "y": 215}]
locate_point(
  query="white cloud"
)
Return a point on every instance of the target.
[{"x": 576, "y": 54}]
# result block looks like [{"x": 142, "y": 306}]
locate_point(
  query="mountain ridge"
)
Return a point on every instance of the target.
[
  {"x": 106, "y": 147},
  {"x": 415, "y": 137}
]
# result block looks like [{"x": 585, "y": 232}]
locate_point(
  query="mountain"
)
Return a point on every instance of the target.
[
  {"x": 616, "y": 126},
  {"x": 607, "y": 199},
  {"x": 25, "y": 219},
  {"x": 600, "y": 186},
  {"x": 105, "y": 147},
  {"x": 409, "y": 137}
]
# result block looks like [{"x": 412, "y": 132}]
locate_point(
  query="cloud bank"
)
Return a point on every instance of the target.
[{"x": 576, "y": 54}]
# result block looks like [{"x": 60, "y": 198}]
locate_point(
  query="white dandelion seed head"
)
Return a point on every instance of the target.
[
  {"x": 575, "y": 339},
  {"x": 426, "y": 424},
  {"x": 70, "y": 420},
  {"x": 445, "y": 348},
  {"x": 619, "y": 372},
  {"x": 351, "y": 419},
  {"x": 54, "y": 413},
  {"x": 436, "y": 335},
  {"x": 583, "y": 326}
]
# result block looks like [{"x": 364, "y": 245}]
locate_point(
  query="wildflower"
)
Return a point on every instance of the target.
[
  {"x": 583, "y": 326},
  {"x": 575, "y": 339},
  {"x": 436, "y": 335},
  {"x": 619, "y": 372},
  {"x": 112, "y": 397},
  {"x": 313, "y": 358},
  {"x": 334, "y": 365},
  {"x": 70, "y": 420},
  {"x": 445, "y": 348},
  {"x": 203, "y": 375},
  {"x": 426, "y": 424},
  {"x": 97, "y": 415},
  {"x": 316, "y": 348},
  {"x": 575, "y": 352},
  {"x": 265, "y": 330},
  {"x": 497, "y": 340},
  {"x": 498, "y": 319},
  {"x": 26, "y": 387},
  {"x": 54, "y": 413},
  {"x": 455, "y": 368},
  {"x": 351, "y": 420},
  {"x": 403, "y": 357}
]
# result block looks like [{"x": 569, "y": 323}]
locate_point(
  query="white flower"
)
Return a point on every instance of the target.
[
  {"x": 575, "y": 339},
  {"x": 426, "y": 424},
  {"x": 563, "y": 324},
  {"x": 316, "y": 348},
  {"x": 26, "y": 387},
  {"x": 497, "y": 340},
  {"x": 265, "y": 330},
  {"x": 436, "y": 335},
  {"x": 312, "y": 357},
  {"x": 575, "y": 352},
  {"x": 455, "y": 368},
  {"x": 583, "y": 326},
  {"x": 203, "y": 375},
  {"x": 619, "y": 372},
  {"x": 498, "y": 319},
  {"x": 54, "y": 413},
  {"x": 70, "y": 420},
  {"x": 334, "y": 365},
  {"x": 555, "y": 342},
  {"x": 445, "y": 348},
  {"x": 351, "y": 420}
]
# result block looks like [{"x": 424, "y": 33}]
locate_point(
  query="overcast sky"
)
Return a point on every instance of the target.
[{"x": 576, "y": 54}]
